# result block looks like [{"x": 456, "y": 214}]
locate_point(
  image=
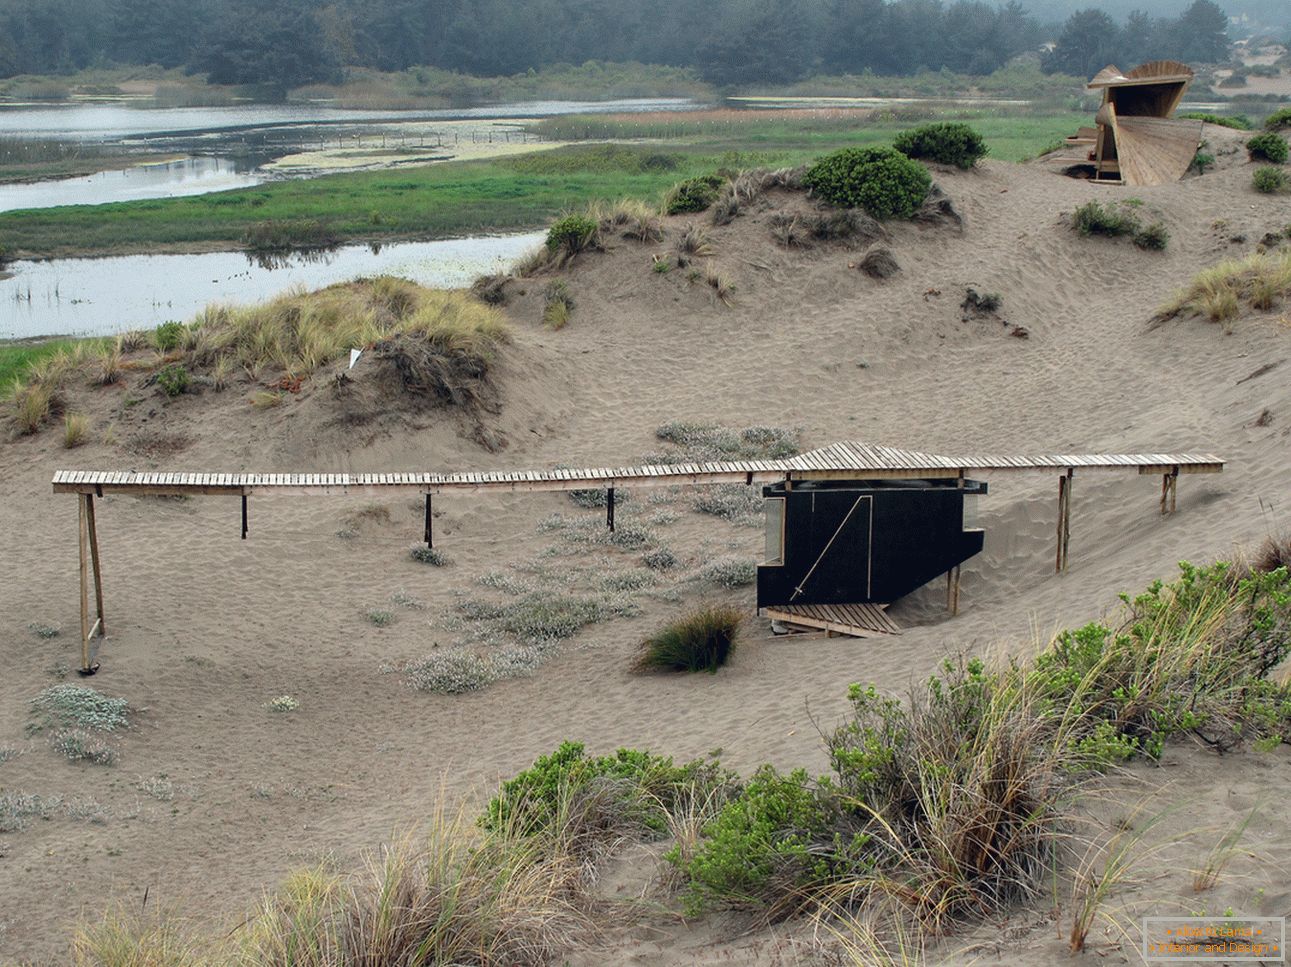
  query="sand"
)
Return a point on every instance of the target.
[
  {"x": 416, "y": 143},
  {"x": 205, "y": 629}
]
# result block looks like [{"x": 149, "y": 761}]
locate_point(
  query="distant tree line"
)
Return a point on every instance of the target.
[
  {"x": 286, "y": 43},
  {"x": 1090, "y": 39}
]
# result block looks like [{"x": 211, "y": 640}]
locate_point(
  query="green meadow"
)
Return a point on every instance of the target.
[{"x": 496, "y": 195}]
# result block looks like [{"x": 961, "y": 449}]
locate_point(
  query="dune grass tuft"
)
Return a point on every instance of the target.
[
  {"x": 700, "y": 641},
  {"x": 75, "y": 428},
  {"x": 436, "y": 339},
  {"x": 453, "y": 894},
  {"x": 152, "y": 939},
  {"x": 1260, "y": 281}
]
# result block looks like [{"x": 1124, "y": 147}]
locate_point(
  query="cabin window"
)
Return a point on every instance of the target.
[
  {"x": 774, "y": 507},
  {"x": 970, "y": 512}
]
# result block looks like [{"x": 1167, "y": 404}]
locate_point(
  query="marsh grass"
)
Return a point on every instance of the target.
[{"x": 1260, "y": 281}]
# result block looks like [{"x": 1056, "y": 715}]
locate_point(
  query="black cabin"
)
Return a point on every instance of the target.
[{"x": 863, "y": 541}]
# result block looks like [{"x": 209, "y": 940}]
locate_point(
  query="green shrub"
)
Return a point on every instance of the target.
[
  {"x": 769, "y": 845},
  {"x": 168, "y": 336},
  {"x": 1094, "y": 219},
  {"x": 693, "y": 194},
  {"x": 1268, "y": 146},
  {"x": 883, "y": 181},
  {"x": 1238, "y": 122},
  {"x": 1191, "y": 656},
  {"x": 1280, "y": 118},
  {"x": 1270, "y": 180},
  {"x": 173, "y": 379},
  {"x": 947, "y": 142},
  {"x": 1201, "y": 161},
  {"x": 573, "y": 234},
  {"x": 700, "y": 641},
  {"x": 1154, "y": 237},
  {"x": 645, "y": 785}
]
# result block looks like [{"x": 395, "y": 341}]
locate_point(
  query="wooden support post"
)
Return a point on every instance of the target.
[
  {"x": 609, "y": 507},
  {"x": 1169, "y": 484},
  {"x": 83, "y": 542},
  {"x": 1064, "y": 521},
  {"x": 88, "y": 545},
  {"x": 244, "y": 517},
  {"x": 93, "y": 531},
  {"x": 952, "y": 590},
  {"x": 430, "y": 537}
]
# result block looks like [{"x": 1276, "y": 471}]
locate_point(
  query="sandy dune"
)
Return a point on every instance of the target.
[{"x": 205, "y": 629}]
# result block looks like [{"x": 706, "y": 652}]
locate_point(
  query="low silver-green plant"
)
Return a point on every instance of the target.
[
  {"x": 659, "y": 559},
  {"x": 379, "y": 617},
  {"x": 43, "y": 631},
  {"x": 79, "y": 706},
  {"x": 81, "y": 745},
  {"x": 450, "y": 672},
  {"x": 283, "y": 703},
  {"x": 158, "y": 787},
  {"x": 729, "y": 572},
  {"x": 428, "y": 555},
  {"x": 733, "y": 502},
  {"x": 17, "y": 809}
]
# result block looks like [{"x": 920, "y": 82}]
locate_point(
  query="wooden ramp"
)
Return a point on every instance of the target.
[{"x": 854, "y": 620}]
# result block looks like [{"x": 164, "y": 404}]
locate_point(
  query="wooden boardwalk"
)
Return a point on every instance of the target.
[{"x": 839, "y": 461}]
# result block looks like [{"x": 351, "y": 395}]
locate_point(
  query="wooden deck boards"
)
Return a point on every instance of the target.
[
  {"x": 853, "y": 620},
  {"x": 842, "y": 461}
]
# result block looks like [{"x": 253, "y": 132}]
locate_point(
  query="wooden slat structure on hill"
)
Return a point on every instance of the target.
[
  {"x": 845, "y": 461},
  {"x": 1138, "y": 141}
]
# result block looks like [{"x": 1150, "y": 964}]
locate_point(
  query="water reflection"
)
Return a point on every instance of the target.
[
  {"x": 104, "y": 296},
  {"x": 167, "y": 179}
]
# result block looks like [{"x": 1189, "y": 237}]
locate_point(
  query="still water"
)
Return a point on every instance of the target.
[
  {"x": 110, "y": 295},
  {"x": 111, "y": 122},
  {"x": 163, "y": 179}
]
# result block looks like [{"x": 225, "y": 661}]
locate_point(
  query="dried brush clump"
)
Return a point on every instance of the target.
[
  {"x": 693, "y": 243},
  {"x": 802, "y": 230}
]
